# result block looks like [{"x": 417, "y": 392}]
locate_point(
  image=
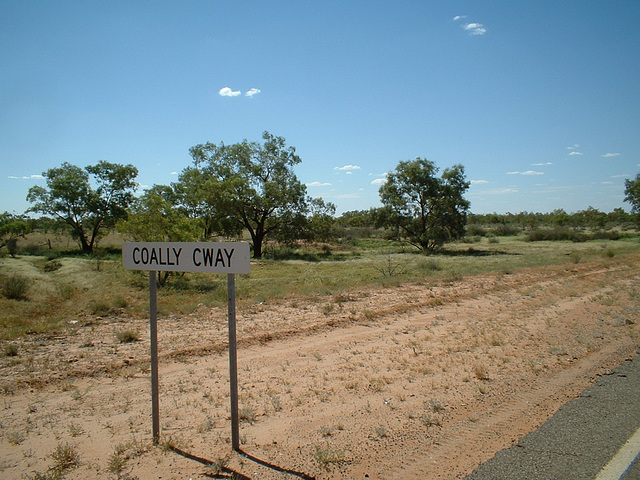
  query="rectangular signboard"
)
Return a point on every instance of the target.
[{"x": 211, "y": 257}]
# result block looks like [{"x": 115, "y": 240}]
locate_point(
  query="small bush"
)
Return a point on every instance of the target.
[
  {"x": 65, "y": 458},
  {"x": 481, "y": 372},
  {"x": 12, "y": 246},
  {"x": 325, "y": 455},
  {"x": 11, "y": 350},
  {"x": 52, "y": 254},
  {"x": 128, "y": 336},
  {"x": 15, "y": 287},
  {"x": 99, "y": 308},
  {"x": 247, "y": 414},
  {"x": 476, "y": 231},
  {"x": 52, "y": 266},
  {"x": 120, "y": 302},
  {"x": 505, "y": 230}
]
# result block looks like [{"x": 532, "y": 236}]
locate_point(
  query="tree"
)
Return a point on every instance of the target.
[
  {"x": 153, "y": 218},
  {"x": 87, "y": 210},
  {"x": 632, "y": 195},
  {"x": 423, "y": 209},
  {"x": 249, "y": 185},
  {"x": 12, "y": 227}
]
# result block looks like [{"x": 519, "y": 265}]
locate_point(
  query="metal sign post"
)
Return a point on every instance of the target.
[
  {"x": 153, "y": 334},
  {"x": 233, "y": 362},
  {"x": 213, "y": 257}
]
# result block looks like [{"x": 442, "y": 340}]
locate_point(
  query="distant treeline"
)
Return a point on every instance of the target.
[
  {"x": 513, "y": 223},
  {"x": 498, "y": 224}
]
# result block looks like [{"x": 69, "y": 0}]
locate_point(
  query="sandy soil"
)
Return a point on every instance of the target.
[{"x": 412, "y": 381}]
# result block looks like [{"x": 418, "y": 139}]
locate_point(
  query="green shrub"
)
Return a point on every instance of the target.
[
  {"x": 52, "y": 254},
  {"x": 476, "y": 231},
  {"x": 505, "y": 230},
  {"x": 15, "y": 287}
]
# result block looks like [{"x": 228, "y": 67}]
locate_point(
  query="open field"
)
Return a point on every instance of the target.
[{"x": 369, "y": 364}]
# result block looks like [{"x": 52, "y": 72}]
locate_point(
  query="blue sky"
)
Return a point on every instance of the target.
[{"x": 539, "y": 100}]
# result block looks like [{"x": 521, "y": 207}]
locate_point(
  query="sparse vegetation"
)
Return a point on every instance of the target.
[
  {"x": 65, "y": 457},
  {"x": 128, "y": 336},
  {"x": 326, "y": 454}
]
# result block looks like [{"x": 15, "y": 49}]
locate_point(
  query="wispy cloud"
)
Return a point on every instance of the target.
[
  {"x": 609, "y": 155},
  {"x": 501, "y": 191},
  {"x": 575, "y": 153},
  {"x": 379, "y": 181},
  {"x": 478, "y": 182},
  {"x": 527, "y": 172},
  {"x": 227, "y": 92},
  {"x": 573, "y": 147},
  {"x": 623, "y": 175},
  {"x": 542, "y": 164},
  {"x": 318, "y": 184},
  {"x": 475, "y": 29},
  {"x": 252, "y": 92},
  {"x": 347, "y": 195},
  {"x": 347, "y": 168},
  {"x": 26, "y": 177}
]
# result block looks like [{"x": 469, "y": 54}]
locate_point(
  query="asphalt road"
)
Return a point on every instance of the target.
[{"x": 581, "y": 438}]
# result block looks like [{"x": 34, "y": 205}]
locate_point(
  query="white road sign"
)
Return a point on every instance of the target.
[{"x": 211, "y": 257}]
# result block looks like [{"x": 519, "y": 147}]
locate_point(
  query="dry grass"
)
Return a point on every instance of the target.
[{"x": 79, "y": 291}]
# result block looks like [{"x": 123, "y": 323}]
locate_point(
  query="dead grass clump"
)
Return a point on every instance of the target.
[
  {"x": 128, "y": 336},
  {"x": 481, "y": 372},
  {"x": 11, "y": 350}
]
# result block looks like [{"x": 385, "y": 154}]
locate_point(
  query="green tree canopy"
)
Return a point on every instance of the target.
[
  {"x": 246, "y": 185},
  {"x": 71, "y": 197},
  {"x": 153, "y": 218},
  {"x": 12, "y": 227},
  {"x": 423, "y": 209},
  {"x": 632, "y": 194}
]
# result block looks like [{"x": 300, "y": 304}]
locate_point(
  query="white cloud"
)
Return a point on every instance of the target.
[
  {"x": 318, "y": 184},
  {"x": 609, "y": 155},
  {"x": 475, "y": 28},
  {"x": 227, "y": 92},
  {"x": 26, "y": 177},
  {"x": 576, "y": 153},
  {"x": 347, "y": 195},
  {"x": 624, "y": 175},
  {"x": 478, "y": 182},
  {"x": 347, "y": 168},
  {"x": 542, "y": 164},
  {"x": 575, "y": 145},
  {"x": 252, "y": 92},
  {"x": 500, "y": 191},
  {"x": 173, "y": 173},
  {"x": 459, "y": 17},
  {"x": 528, "y": 172},
  {"x": 379, "y": 181}
]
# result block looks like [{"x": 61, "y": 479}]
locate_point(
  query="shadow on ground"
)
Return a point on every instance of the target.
[{"x": 226, "y": 472}]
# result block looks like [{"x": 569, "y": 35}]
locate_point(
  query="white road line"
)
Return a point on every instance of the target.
[{"x": 622, "y": 460}]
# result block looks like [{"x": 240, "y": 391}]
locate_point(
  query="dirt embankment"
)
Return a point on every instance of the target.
[{"x": 414, "y": 381}]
